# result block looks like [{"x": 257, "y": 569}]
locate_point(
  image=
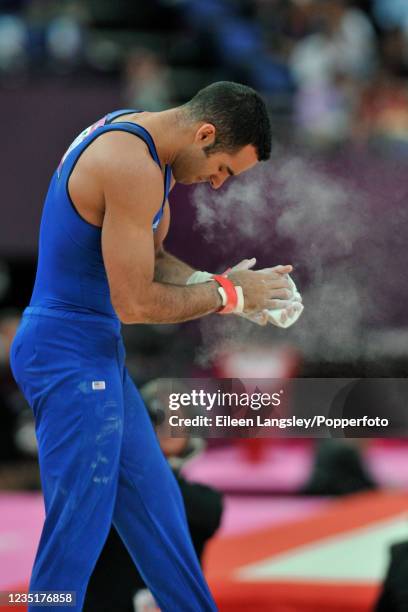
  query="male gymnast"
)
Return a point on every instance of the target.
[{"x": 102, "y": 263}]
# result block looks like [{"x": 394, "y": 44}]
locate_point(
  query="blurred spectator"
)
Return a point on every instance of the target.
[
  {"x": 327, "y": 64},
  {"x": 394, "y": 593},
  {"x": 159, "y": 349},
  {"x": 13, "y": 45},
  {"x": 9, "y": 321},
  {"x": 382, "y": 117},
  {"x": 64, "y": 41},
  {"x": 343, "y": 42},
  {"x": 338, "y": 469},
  {"x": 238, "y": 43},
  {"x": 148, "y": 85},
  {"x": 4, "y": 279},
  {"x": 333, "y": 69},
  {"x": 390, "y": 14},
  {"x": 394, "y": 52},
  {"x": 44, "y": 34},
  {"x": 18, "y": 464},
  {"x": 324, "y": 111}
]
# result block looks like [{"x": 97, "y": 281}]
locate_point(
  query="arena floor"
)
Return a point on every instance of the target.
[{"x": 274, "y": 552}]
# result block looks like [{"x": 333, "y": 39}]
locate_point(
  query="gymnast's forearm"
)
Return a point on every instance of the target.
[
  {"x": 165, "y": 303},
  {"x": 169, "y": 269}
]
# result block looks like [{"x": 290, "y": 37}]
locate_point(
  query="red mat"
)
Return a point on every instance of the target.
[{"x": 226, "y": 555}]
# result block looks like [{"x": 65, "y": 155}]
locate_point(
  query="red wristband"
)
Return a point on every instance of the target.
[{"x": 230, "y": 292}]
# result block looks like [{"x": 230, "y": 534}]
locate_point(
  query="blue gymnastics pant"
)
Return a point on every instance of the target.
[{"x": 100, "y": 462}]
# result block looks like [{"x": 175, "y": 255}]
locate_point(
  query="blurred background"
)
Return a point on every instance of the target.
[{"x": 302, "y": 519}]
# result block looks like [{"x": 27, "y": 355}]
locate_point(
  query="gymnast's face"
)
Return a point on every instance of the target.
[{"x": 196, "y": 164}]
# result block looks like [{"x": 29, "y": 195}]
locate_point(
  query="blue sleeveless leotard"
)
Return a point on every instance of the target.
[{"x": 71, "y": 275}]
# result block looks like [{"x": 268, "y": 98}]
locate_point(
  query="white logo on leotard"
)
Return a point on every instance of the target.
[{"x": 98, "y": 385}]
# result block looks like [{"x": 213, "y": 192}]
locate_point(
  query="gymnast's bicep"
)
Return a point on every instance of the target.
[{"x": 132, "y": 196}]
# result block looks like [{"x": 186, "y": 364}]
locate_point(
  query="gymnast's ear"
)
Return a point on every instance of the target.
[{"x": 205, "y": 135}]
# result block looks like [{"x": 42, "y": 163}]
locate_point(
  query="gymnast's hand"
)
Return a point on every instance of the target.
[
  {"x": 281, "y": 316},
  {"x": 263, "y": 289}
]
